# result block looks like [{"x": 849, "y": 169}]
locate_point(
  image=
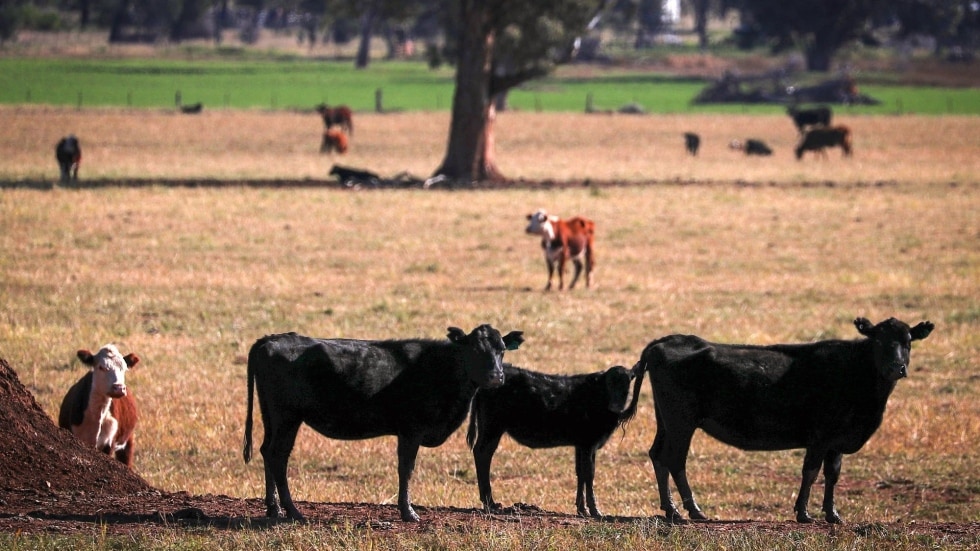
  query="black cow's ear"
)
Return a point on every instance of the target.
[
  {"x": 922, "y": 330},
  {"x": 456, "y": 334},
  {"x": 864, "y": 326},
  {"x": 513, "y": 340},
  {"x": 86, "y": 357}
]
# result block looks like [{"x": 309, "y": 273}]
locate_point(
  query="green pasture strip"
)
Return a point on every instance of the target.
[{"x": 403, "y": 86}]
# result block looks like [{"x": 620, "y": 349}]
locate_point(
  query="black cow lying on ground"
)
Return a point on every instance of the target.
[
  {"x": 802, "y": 118},
  {"x": 692, "y": 142},
  {"x": 349, "y": 176},
  {"x": 193, "y": 109},
  {"x": 68, "y": 152},
  {"x": 818, "y": 139},
  {"x": 827, "y": 397},
  {"x": 418, "y": 390},
  {"x": 546, "y": 411},
  {"x": 751, "y": 146}
]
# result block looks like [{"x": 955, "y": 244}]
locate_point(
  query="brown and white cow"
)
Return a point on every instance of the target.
[
  {"x": 563, "y": 240},
  {"x": 98, "y": 409},
  {"x": 334, "y": 139}
]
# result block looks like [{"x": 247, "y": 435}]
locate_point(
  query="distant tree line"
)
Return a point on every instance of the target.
[{"x": 816, "y": 29}]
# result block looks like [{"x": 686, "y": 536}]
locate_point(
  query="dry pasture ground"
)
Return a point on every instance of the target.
[{"x": 744, "y": 250}]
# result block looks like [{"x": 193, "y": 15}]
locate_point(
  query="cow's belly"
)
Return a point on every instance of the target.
[
  {"x": 351, "y": 425},
  {"x": 756, "y": 435}
]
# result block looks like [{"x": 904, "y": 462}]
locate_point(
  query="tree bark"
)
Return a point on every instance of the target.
[
  {"x": 470, "y": 152},
  {"x": 367, "y": 28}
]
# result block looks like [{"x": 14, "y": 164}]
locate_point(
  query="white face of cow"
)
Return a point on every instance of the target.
[
  {"x": 108, "y": 370},
  {"x": 540, "y": 223}
]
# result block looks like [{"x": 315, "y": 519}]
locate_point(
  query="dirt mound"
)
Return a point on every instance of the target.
[{"x": 39, "y": 457}]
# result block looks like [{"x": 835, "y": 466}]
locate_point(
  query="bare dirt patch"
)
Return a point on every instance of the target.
[{"x": 49, "y": 483}]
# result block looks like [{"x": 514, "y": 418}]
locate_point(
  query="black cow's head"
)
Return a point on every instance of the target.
[
  {"x": 486, "y": 350},
  {"x": 891, "y": 341},
  {"x": 618, "y": 381}
]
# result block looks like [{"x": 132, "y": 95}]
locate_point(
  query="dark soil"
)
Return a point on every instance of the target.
[{"x": 49, "y": 483}]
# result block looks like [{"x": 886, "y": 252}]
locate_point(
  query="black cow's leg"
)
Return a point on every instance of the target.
[
  {"x": 673, "y": 456},
  {"x": 551, "y": 273},
  {"x": 276, "y": 447},
  {"x": 483, "y": 450},
  {"x": 585, "y": 465},
  {"x": 831, "y": 474},
  {"x": 811, "y": 468},
  {"x": 408, "y": 450},
  {"x": 662, "y": 471}
]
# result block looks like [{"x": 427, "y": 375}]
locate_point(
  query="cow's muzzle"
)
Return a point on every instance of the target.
[
  {"x": 117, "y": 391},
  {"x": 898, "y": 371}
]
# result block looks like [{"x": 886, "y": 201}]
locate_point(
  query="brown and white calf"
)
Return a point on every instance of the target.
[
  {"x": 564, "y": 240},
  {"x": 98, "y": 409}
]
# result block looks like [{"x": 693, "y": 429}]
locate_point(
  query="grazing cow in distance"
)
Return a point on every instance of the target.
[
  {"x": 99, "y": 409},
  {"x": 340, "y": 116},
  {"x": 192, "y": 109},
  {"x": 547, "y": 411},
  {"x": 817, "y": 139},
  {"x": 564, "y": 240},
  {"x": 692, "y": 142},
  {"x": 827, "y": 397},
  {"x": 418, "y": 390},
  {"x": 68, "y": 152},
  {"x": 334, "y": 139},
  {"x": 802, "y": 118}
]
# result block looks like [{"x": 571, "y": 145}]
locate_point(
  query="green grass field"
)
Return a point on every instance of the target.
[{"x": 290, "y": 83}]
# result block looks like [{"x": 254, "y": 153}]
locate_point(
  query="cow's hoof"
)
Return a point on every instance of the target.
[
  {"x": 833, "y": 518},
  {"x": 697, "y": 514},
  {"x": 409, "y": 515},
  {"x": 273, "y": 511},
  {"x": 673, "y": 516},
  {"x": 803, "y": 517}
]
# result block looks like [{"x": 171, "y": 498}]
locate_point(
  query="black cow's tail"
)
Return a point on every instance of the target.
[
  {"x": 639, "y": 370},
  {"x": 247, "y": 448}
]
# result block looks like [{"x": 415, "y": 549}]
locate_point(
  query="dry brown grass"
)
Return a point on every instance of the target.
[
  {"x": 189, "y": 278},
  {"x": 534, "y": 146}
]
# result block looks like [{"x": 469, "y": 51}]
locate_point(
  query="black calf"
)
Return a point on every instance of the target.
[
  {"x": 692, "y": 141},
  {"x": 68, "y": 152},
  {"x": 546, "y": 411}
]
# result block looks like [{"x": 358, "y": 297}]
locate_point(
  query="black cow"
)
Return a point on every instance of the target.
[
  {"x": 417, "y": 390},
  {"x": 692, "y": 142},
  {"x": 546, "y": 411},
  {"x": 802, "y": 118},
  {"x": 350, "y": 176},
  {"x": 757, "y": 147},
  {"x": 68, "y": 152},
  {"x": 827, "y": 397},
  {"x": 818, "y": 139}
]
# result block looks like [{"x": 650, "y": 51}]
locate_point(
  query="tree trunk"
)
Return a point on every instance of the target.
[
  {"x": 701, "y": 23},
  {"x": 818, "y": 57},
  {"x": 367, "y": 27},
  {"x": 470, "y": 152}
]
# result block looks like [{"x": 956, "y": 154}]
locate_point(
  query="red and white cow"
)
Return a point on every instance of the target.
[
  {"x": 98, "y": 409},
  {"x": 564, "y": 240}
]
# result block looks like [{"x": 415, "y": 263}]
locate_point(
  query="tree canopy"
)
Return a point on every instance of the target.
[{"x": 500, "y": 44}]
